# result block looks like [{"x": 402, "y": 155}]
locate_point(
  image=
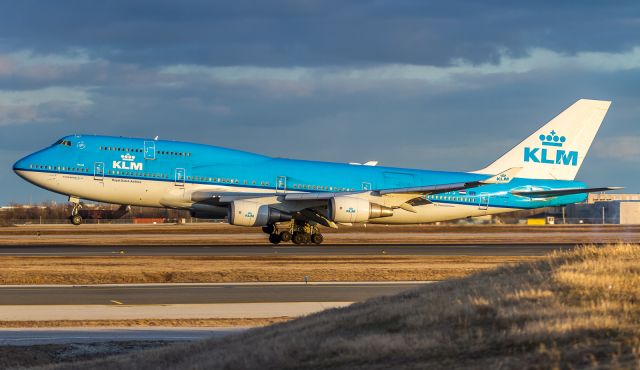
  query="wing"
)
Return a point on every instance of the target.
[
  {"x": 309, "y": 205},
  {"x": 501, "y": 178}
]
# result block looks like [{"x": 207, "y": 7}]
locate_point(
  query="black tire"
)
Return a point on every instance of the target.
[
  {"x": 269, "y": 229},
  {"x": 317, "y": 238},
  {"x": 76, "y": 220},
  {"x": 274, "y": 238},
  {"x": 307, "y": 238},
  {"x": 298, "y": 237},
  {"x": 285, "y": 236}
]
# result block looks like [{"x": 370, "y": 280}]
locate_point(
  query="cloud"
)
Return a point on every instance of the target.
[
  {"x": 458, "y": 71},
  {"x": 315, "y": 33},
  {"x": 618, "y": 148},
  {"x": 410, "y": 83},
  {"x": 43, "y": 105}
]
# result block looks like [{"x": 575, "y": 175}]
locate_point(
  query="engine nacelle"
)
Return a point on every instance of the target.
[
  {"x": 350, "y": 209},
  {"x": 248, "y": 213},
  {"x": 200, "y": 210}
]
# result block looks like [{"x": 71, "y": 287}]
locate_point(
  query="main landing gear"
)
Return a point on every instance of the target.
[
  {"x": 296, "y": 232},
  {"x": 75, "y": 217}
]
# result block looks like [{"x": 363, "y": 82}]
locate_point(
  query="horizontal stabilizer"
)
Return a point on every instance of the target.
[{"x": 560, "y": 192}]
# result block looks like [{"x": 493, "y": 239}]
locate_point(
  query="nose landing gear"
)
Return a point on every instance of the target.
[
  {"x": 297, "y": 232},
  {"x": 75, "y": 217}
]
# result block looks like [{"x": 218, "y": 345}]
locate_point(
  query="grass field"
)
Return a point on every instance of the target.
[
  {"x": 578, "y": 309},
  {"x": 165, "y": 269}
]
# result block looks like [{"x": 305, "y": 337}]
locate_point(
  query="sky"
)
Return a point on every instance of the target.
[{"x": 421, "y": 84}]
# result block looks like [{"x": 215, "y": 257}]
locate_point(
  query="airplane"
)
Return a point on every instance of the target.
[{"x": 291, "y": 198}]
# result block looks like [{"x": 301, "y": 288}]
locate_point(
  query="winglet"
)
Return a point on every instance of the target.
[{"x": 503, "y": 177}]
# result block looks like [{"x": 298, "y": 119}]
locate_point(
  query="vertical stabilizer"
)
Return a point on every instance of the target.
[{"x": 557, "y": 149}]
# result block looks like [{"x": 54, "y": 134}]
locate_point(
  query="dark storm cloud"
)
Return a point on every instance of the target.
[
  {"x": 442, "y": 85},
  {"x": 282, "y": 33}
]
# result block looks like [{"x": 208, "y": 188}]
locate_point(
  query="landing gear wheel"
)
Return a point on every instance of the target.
[
  {"x": 76, "y": 220},
  {"x": 269, "y": 229},
  {"x": 285, "y": 236},
  {"x": 317, "y": 238},
  {"x": 274, "y": 239},
  {"x": 298, "y": 237}
]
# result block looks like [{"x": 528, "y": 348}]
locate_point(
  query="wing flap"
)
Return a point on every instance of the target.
[{"x": 560, "y": 192}]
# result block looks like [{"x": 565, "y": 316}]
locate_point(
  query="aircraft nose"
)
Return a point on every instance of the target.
[{"x": 19, "y": 165}]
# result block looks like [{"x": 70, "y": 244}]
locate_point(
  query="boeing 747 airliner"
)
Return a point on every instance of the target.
[{"x": 290, "y": 198}]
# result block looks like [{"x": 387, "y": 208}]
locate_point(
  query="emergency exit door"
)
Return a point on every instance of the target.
[
  {"x": 98, "y": 171},
  {"x": 180, "y": 177},
  {"x": 483, "y": 203},
  {"x": 281, "y": 184}
]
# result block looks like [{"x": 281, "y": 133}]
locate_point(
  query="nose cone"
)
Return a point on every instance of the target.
[{"x": 20, "y": 166}]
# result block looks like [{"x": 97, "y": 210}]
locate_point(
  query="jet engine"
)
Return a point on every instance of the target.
[
  {"x": 248, "y": 213},
  {"x": 202, "y": 210},
  {"x": 350, "y": 209}
]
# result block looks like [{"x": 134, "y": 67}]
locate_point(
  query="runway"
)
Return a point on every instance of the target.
[
  {"x": 28, "y": 337},
  {"x": 289, "y": 250},
  {"x": 159, "y": 294}
]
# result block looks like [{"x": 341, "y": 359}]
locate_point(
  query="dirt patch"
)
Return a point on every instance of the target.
[
  {"x": 227, "y": 322},
  {"x": 166, "y": 269}
]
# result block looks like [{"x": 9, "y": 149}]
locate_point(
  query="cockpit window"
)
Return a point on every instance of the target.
[{"x": 63, "y": 142}]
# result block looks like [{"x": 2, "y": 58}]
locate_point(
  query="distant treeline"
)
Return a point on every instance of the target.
[{"x": 16, "y": 213}]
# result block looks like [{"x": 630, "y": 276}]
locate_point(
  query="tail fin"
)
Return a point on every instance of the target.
[{"x": 557, "y": 149}]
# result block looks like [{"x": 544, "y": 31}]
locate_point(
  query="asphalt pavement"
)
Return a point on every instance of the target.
[
  {"x": 35, "y": 336},
  {"x": 293, "y": 250},
  {"x": 158, "y": 294}
]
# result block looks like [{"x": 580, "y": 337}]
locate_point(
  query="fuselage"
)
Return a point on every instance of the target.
[{"x": 159, "y": 173}]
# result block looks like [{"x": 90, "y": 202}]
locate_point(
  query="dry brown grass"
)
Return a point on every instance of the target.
[
  {"x": 166, "y": 269},
  {"x": 21, "y": 356},
  {"x": 146, "y": 323},
  {"x": 578, "y": 309}
]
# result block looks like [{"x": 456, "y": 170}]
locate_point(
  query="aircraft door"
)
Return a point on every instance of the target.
[
  {"x": 180, "y": 177},
  {"x": 281, "y": 184},
  {"x": 98, "y": 171},
  {"x": 483, "y": 203},
  {"x": 149, "y": 150}
]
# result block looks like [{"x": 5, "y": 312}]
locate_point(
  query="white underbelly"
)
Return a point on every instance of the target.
[
  {"x": 439, "y": 212},
  {"x": 130, "y": 191}
]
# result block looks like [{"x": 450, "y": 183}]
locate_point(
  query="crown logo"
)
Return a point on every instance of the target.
[
  {"x": 552, "y": 139},
  {"x": 128, "y": 157}
]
